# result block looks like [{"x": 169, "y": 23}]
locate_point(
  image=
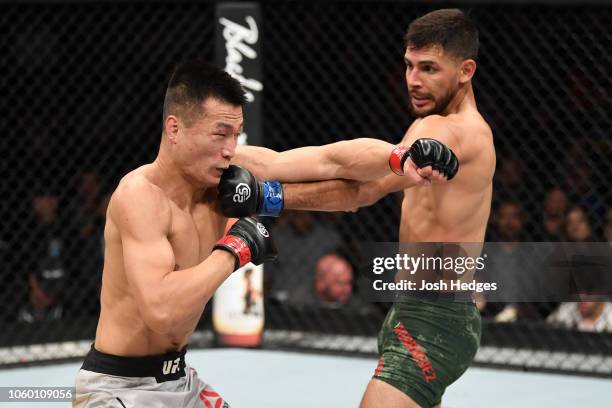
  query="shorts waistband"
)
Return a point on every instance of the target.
[{"x": 164, "y": 367}]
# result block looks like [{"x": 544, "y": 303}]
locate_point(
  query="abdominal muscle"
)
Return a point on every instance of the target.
[{"x": 434, "y": 215}]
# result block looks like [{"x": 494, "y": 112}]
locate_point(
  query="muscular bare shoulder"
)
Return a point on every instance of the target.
[{"x": 139, "y": 202}]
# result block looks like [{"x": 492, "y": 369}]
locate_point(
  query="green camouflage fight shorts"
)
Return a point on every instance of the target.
[{"x": 424, "y": 346}]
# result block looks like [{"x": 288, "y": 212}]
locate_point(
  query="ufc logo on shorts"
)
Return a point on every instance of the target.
[
  {"x": 171, "y": 366},
  {"x": 243, "y": 192}
]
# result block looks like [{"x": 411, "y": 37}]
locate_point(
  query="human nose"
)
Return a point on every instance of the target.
[
  {"x": 229, "y": 149},
  {"x": 412, "y": 78}
]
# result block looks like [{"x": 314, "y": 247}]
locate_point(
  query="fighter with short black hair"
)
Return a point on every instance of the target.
[{"x": 447, "y": 160}]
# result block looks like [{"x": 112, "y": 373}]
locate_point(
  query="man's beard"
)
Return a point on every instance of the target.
[{"x": 439, "y": 107}]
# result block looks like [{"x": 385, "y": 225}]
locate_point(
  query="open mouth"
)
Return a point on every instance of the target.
[{"x": 420, "y": 101}]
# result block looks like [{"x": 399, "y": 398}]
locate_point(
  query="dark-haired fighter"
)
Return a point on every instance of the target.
[
  {"x": 424, "y": 345},
  {"x": 166, "y": 253},
  {"x": 165, "y": 249}
]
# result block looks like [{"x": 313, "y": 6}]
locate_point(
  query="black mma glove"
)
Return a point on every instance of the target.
[
  {"x": 425, "y": 152},
  {"x": 241, "y": 194},
  {"x": 249, "y": 241}
]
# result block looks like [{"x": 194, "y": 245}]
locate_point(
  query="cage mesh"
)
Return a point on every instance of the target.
[{"x": 83, "y": 87}]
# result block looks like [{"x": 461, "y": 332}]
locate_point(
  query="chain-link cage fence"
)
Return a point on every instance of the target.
[{"x": 83, "y": 95}]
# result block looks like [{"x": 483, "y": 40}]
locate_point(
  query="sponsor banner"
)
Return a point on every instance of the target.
[
  {"x": 238, "y": 50},
  {"x": 238, "y": 315}
]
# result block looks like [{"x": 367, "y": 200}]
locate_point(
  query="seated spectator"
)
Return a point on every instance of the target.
[
  {"x": 44, "y": 262},
  {"x": 577, "y": 226},
  {"x": 580, "y": 185},
  {"x": 503, "y": 260},
  {"x": 46, "y": 292},
  {"x": 511, "y": 266},
  {"x": 333, "y": 280},
  {"x": 583, "y": 316},
  {"x": 301, "y": 240},
  {"x": 509, "y": 180},
  {"x": 553, "y": 218}
]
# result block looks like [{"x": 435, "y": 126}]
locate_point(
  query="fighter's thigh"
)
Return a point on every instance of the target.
[
  {"x": 422, "y": 351},
  {"x": 379, "y": 394}
]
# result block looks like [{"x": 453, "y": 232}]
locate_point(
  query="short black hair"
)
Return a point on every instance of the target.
[
  {"x": 451, "y": 29},
  {"x": 193, "y": 82}
]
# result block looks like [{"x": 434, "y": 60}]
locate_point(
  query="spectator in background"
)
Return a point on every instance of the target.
[
  {"x": 45, "y": 259},
  {"x": 301, "y": 240},
  {"x": 580, "y": 186},
  {"x": 88, "y": 211},
  {"x": 553, "y": 219},
  {"x": 577, "y": 226},
  {"x": 333, "y": 280},
  {"x": 509, "y": 221},
  {"x": 583, "y": 316},
  {"x": 510, "y": 181},
  {"x": 46, "y": 290},
  {"x": 505, "y": 263}
]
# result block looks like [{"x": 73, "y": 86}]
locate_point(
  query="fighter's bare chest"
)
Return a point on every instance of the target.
[{"x": 193, "y": 234}]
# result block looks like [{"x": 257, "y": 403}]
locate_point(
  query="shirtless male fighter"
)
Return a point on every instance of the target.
[
  {"x": 424, "y": 345},
  {"x": 165, "y": 249}
]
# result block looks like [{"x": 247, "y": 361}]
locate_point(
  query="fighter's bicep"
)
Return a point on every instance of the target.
[
  {"x": 146, "y": 263},
  {"x": 142, "y": 216}
]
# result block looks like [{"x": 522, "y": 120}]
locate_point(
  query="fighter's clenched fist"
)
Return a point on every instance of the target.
[
  {"x": 241, "y": 194},
  {"x": 428, "y": 157}
]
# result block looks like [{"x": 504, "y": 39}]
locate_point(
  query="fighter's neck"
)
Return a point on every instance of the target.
[
  {"x": 463, "y": 100},
  {"x": 178, "y": 188}
]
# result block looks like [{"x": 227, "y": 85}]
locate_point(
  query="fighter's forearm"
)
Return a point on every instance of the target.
[
  {"x": 331, "y": 195},
  {"x": 358, "y": 159},
  {"x": 184, "y": 293}
]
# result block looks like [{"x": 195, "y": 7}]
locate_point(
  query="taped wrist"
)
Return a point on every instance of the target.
[
  {"x": 237, "y": 247},
  {"x": 398, "y": 157}
]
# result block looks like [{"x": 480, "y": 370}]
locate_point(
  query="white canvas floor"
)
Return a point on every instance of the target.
[{"x": 269, "y": 379}]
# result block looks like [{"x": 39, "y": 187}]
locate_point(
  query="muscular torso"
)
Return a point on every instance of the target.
[
  {"x": 455, "y": 211},
  {"x": 121, "y": 328}
]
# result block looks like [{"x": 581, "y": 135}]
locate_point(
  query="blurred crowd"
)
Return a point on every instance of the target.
[
  {"x": 57, "y": 251},
  {"x": 572, "y": 211},
  {"x": 58, "y": 270}
]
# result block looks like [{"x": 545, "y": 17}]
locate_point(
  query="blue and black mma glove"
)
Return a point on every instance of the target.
[{"x": 242, "y": 195}]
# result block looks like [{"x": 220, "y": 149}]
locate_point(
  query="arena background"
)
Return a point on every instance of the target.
[{"x": 83, "y": 89}]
